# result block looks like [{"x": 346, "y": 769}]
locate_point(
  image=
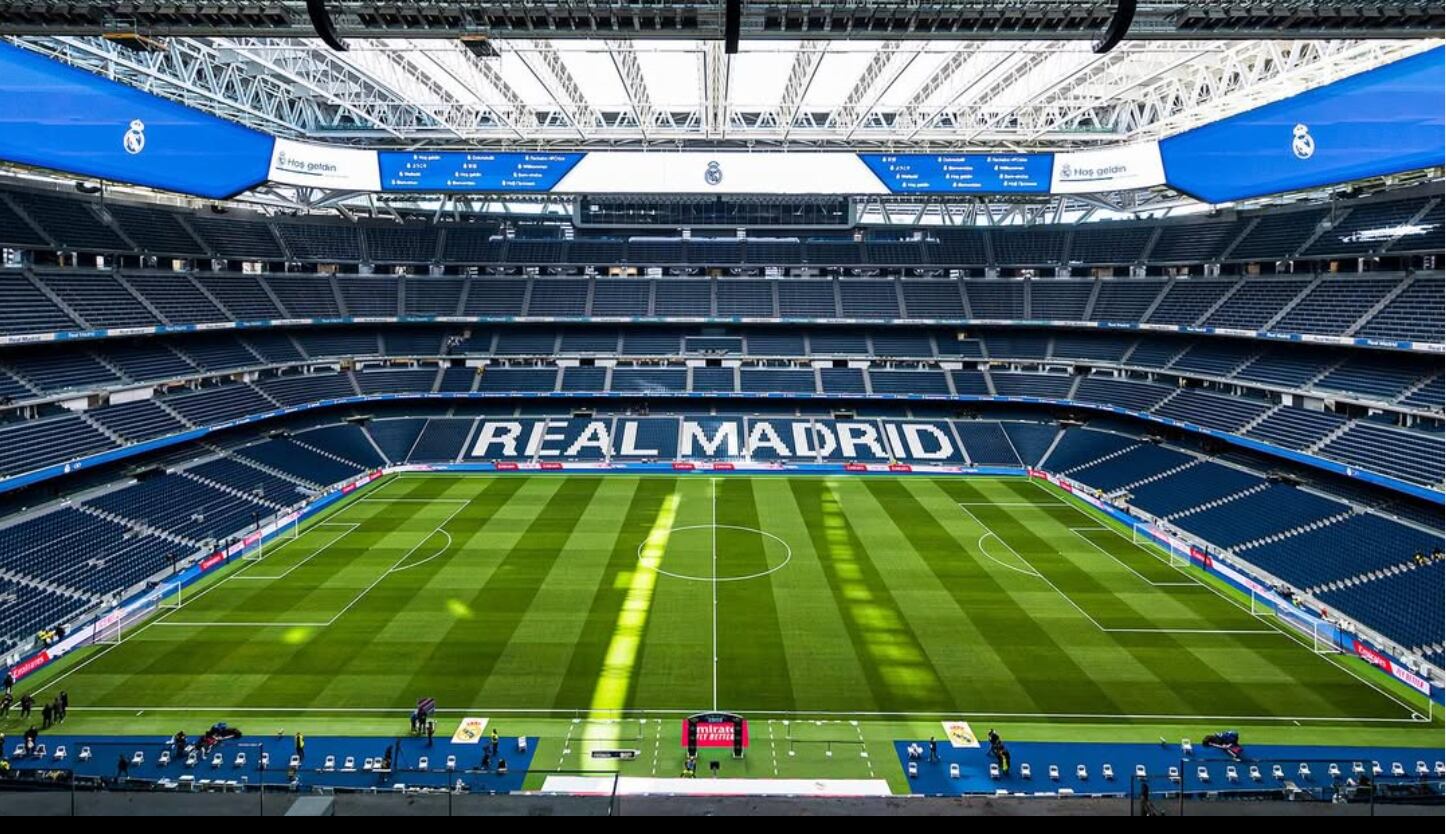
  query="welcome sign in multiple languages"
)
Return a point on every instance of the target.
[
  {"x": 967, "y": 173},
  {"x": 473, "y": 170}
]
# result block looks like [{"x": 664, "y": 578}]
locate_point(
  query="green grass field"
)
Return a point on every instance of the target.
[{"x": 891, "y": 602}]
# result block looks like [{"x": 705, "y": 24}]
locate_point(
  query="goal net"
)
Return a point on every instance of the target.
[
  {"x": 1148, "y": 537},
  {"x": 108, "y": 629},
  {"x": 1321, "y": 636},
  {"x": 273, "y": 534}
]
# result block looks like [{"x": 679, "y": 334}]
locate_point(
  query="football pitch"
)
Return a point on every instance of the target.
[{"x": 829, "y": 598}]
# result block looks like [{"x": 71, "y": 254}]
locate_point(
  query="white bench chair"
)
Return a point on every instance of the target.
[
  {"x": 1202, "y": 773},
  {"x": 1081, "y": 772},
  {"x": 1107, "y": 770},
  {"x": 1231, "y": 774}
]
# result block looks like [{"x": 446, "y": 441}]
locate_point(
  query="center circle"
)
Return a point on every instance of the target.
[{"x": 688, "y": 552}]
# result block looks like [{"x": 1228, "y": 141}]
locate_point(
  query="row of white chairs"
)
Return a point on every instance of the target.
[{"x": 1202, "y": 773}]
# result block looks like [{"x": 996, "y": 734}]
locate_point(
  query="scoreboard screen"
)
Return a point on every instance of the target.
[
  {"x": 964, "y": 173},
  {"x": 473, "y": 171}
]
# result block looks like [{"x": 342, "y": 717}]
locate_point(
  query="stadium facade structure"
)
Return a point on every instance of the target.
[{"x": 1267, "y": 383}]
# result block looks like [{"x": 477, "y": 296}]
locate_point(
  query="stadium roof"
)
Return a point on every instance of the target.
[
  {"x": 901, "y": 76},
  {"x": 895, "y": 75}
]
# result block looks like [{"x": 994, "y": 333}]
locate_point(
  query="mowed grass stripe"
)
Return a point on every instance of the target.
[
  {"x": 1296, "y": 682},
  {"x": 535, "y": 662},
  {"x": 1137, "y": 680},
  {"x": 1209, "y": 690},
  {"x": 1035, "y": 663},
  {"x": 675, "y": 663},
  {"x": 752, "y": 661},
  {"x": 897, "y": 669},
  {"x": 600, "y": 615},
  {"x": 541, "y": 516},
  {"x": 399, "y": 619},
  {"x": 824, "y": 666}
]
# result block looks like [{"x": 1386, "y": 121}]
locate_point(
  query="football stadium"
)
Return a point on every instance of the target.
[{"x": 704, "y": 407}]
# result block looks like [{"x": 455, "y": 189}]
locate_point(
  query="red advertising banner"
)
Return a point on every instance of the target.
[
  {"x": 856, "y": 467},
  {"x": 682, "y": 466},
  {"x": 505, "y": 466},
  {"x": 900, "y": 467},
  {"x": 550, "y": 465},
  {"x": 722, "y": 467},
  {"x": 715, "y": 733},
  {"x": 212, "y": 561},
  {"x": 29, "y": 665},
  {"x": 1384, "y": 663}
]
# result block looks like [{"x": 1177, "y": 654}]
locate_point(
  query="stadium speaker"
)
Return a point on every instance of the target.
[
  {"x": 1116, "y": 29},
  {"x": 732, "y": 25},
  {"x": 321, "y": 22},
  {"x": 480, "y": 46}
]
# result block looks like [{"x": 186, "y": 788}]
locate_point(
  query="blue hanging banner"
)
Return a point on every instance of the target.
[
  {"x": 66, "y": 119},
  {"x": 1382, "y": 121}
]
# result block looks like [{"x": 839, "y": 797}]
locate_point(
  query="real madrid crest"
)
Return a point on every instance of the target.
[
  {"x": 713, "y": 174},
  {"x": 135, "y": 139},
  {"x": 1302, "y": 144}
]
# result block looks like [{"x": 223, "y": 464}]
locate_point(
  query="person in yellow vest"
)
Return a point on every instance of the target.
[
  {"x": 495, "y": 741},
  {"x": 300, "y": 746}
]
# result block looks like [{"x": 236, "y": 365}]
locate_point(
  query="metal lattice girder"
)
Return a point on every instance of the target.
[
  {"x": 761, "y": 19},
  {"x": 193, "y": 73},
  {"x": 1248, "y": 75},
  {"x": 630, "y": 72},
  {"x": 348, "y": 99},
  {"x": 806, "y": 62},
  {"x": 563, "y": 88}
]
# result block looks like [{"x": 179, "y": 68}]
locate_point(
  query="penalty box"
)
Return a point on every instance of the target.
[{"x": 330, "y": 567}]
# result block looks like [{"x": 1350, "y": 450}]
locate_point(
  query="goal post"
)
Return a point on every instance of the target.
[
  {"x": 1321, "y": 636},
  {"x": 1145, "y": 536},
  {"x": 279, "y": 529},
  {"x": 171, "y": 596},
  {"x": 108, "y": 629}
]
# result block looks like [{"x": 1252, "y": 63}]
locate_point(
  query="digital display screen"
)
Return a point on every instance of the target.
[
  {"x": 992, "y": 173},
  {"x": 473, "y": 170}
]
